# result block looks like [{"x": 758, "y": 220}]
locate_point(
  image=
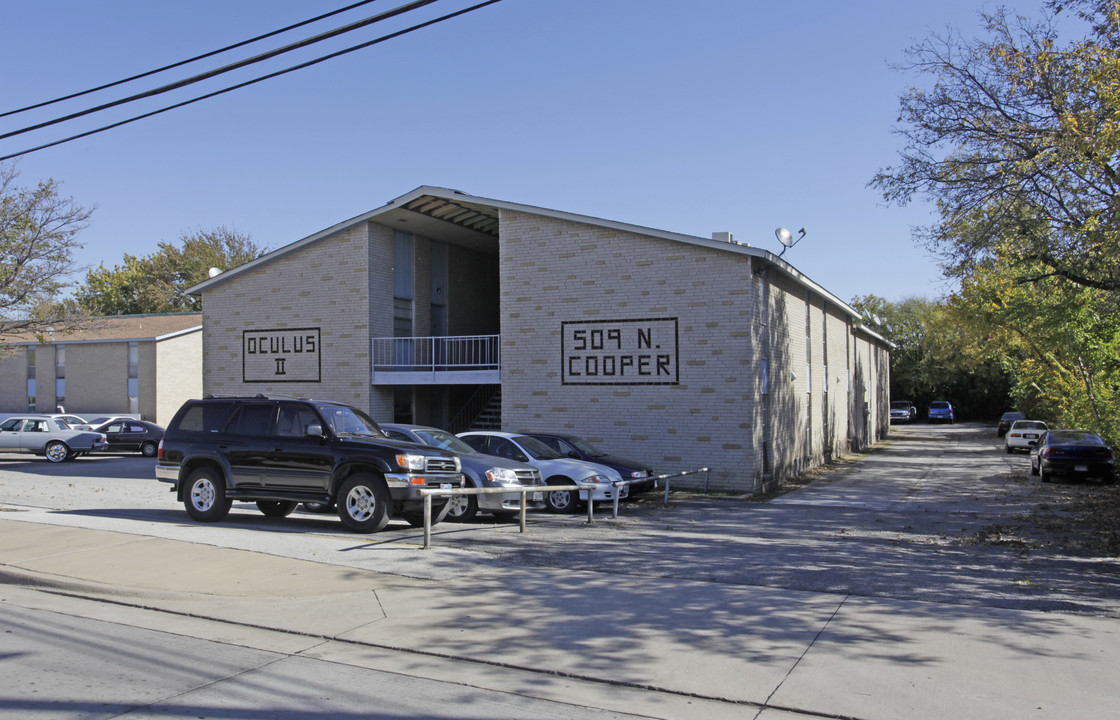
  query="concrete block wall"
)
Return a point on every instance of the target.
[
  {"x": 325, "y": 285},
  {"x": 555, "y": 271},
  {"x": 788, "y": 403},
  {"x": 96, "y": 378},
  {"x": 177, "y": 373},
  {"x": 13, "y": 380}
]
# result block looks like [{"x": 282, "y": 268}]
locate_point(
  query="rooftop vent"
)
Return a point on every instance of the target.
[{"x": 722, "y": 237}]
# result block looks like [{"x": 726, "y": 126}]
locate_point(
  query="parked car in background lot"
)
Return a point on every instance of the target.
[
  {"x": 481, "y": 471},
  {"x": 596, "y": 481},
  {"x": 903, "y": 411},
  {"x": 1005, "y": 421},
  {"x": 639, "y": 474},
  {"x": 72, "y": 420},
  {"x": 1023, "y": 435},
  {"x": 940, "y": 411},
  {"x": 132, "y": 436},
  {"x": 1072, "y": 453},
  {"x": 97, "y": 421},
  {"x": 46, "y": 436}
]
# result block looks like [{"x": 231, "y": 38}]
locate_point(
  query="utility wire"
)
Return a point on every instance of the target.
[
  {"x": 409, "y": 7},
  {"x": 259, "y": 79},
  {"x": 196, "y": 58}
]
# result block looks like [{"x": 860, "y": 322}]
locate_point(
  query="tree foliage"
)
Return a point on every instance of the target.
[
  {"x": 1017, "y": 143},
  {"x": 933, "y": 360},
  {"x": 38, "y": 236},
  {"x": 157, "y": 283}
]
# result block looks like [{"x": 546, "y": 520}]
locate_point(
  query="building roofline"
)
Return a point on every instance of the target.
[{"x": 459, "y": 196}]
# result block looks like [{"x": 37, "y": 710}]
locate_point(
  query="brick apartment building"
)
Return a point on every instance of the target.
[
  {"x": 143, "y": 366},
  {"x": 447, "y": 309}
]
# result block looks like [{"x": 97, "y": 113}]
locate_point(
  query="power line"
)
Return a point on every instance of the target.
[
  {"x": 254, "y": 81},
  {"x": 415, "y": 5},
  {"x": 196, "y": 58}
]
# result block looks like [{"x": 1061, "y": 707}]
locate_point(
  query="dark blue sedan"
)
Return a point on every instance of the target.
[{"x": 1072, "y": 453}]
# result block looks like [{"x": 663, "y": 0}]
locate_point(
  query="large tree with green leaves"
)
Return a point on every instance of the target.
[
  {"x": 933, "y": 360},
  {"x": 157, "y": 283},
  {"x": 38, "y": 236},
  {"x": 1016, "y": 139}
]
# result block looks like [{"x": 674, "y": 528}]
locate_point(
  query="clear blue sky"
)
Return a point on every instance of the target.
[{"x": 691, "y": 116}]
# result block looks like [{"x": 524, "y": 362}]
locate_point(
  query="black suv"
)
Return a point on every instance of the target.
[{"x": 279, "y": 452}]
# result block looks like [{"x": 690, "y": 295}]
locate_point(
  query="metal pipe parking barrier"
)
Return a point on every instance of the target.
[{"x": 523, "y": 490}]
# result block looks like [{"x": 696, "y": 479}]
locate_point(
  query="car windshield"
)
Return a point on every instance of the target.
[
  {"x": 900, "y": 405},
  {"x": 1012, "y": 416},
  {"x": 536, "y": 449},
  {"x": 443, "y": 439},
  {"x": 1074, "y": 437},
  {"x": 585, "y": 447},
  {"x": 345, "y": 420}
]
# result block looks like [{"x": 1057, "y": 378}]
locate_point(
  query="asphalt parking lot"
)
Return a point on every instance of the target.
[
  {"x": 944, "y": 516},
  {"x": 934, "y": 562}
]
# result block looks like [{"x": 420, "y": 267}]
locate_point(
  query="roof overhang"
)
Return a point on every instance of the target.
[{"x": 472, "y": 221}]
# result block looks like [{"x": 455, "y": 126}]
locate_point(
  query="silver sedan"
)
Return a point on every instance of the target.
[{"x": 47, "y": 436}]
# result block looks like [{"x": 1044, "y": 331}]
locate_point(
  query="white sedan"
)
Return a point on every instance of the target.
[
  {"x": 1023, "y": 434},
  {"x": 47, "y": 436}
]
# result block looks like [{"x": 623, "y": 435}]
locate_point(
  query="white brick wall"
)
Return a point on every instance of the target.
[{"x": 326, "y": 285}]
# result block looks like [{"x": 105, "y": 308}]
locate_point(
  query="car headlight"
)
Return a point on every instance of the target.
[
  {"x": 502, "y": 476},
  {"x": 412, "y": 461},
  {"x": 596, "y": 479},
  {"x": 639, "y": 474}
]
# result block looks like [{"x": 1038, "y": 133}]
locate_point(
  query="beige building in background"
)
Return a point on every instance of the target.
[
  {"x": 145, "y": 366},
  {"x": 452, "y": 310}
]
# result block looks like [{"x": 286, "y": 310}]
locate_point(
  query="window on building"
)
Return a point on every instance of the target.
[
  {"x": 59, "y": 375},
  {"x": 133, "y": 377},
  {"x": 825, "y": 386},
  {"x": 808, "y": 378},
  {"x": 764, "y": 380},
  {"x": 31, "y": 379}
]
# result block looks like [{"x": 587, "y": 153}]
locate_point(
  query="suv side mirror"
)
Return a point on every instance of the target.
[{"x": 314, "y": 430}]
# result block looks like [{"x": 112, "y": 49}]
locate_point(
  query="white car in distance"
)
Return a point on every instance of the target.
[{"x": 1023, "y": 434}]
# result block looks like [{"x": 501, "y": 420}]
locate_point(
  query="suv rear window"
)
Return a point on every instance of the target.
[{"x": 204, "y": 417}]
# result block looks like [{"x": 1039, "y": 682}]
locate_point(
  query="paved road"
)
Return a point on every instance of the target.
[{"x": 864, "y": 594}]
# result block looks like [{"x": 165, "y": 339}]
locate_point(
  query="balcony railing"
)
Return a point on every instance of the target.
[{"x": 456, "y": 360}]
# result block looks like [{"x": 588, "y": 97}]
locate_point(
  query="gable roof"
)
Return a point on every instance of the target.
[
  {"x": 118, "y": 328},
  {"x": 472, "y": 220}
]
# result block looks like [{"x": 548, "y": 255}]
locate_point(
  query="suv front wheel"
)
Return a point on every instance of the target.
[
  {"x": 205, "y": 499},
  {"x": 364, "y": 503}
]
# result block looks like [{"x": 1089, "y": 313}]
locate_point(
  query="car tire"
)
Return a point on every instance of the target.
[
  {"x": 462, "y": 508},
  {"x": 56, "y": 451},
  {"x": 561, "y": 501},
  {"x": 1034, "y": 470},
  {"x": 505, "y": 516},
  {"x": 148, "y": 449},
  {"x": 205, "y": 499},
  {"x": 318, "y": 507},
  {"x": 364, "y": 503},
  {"x": 276, "y": 508},
  {"x": 1010, "y": 450},
  {"x": 1043, "y": 475}
]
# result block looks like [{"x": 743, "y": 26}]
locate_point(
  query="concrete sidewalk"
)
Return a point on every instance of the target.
[{"x": 797, "y": 652}]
